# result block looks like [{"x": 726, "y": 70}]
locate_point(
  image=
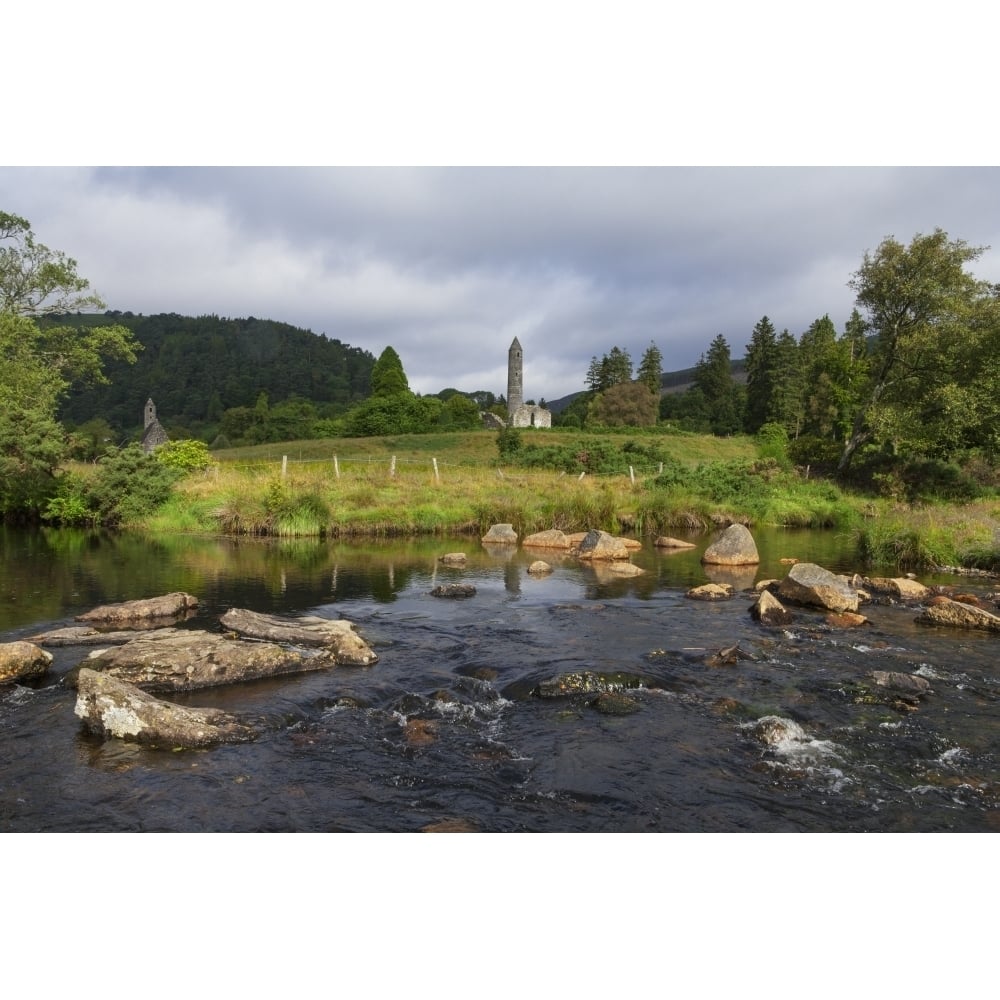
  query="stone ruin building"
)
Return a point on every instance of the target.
[
  {"x": 521, "y": 414},
  {"x": 153, "y": 434}
]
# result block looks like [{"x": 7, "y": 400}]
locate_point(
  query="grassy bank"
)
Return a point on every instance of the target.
[{"x": 455, "y": 483}]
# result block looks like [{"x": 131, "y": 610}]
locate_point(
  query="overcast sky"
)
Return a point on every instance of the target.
[{"x": 449, "y": 265}]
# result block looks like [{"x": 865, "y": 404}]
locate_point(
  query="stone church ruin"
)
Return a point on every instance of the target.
[
  {"x": 153, "y": 434},
  {"x": 519, "y": 413}
]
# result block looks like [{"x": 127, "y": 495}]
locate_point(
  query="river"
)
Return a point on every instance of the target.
[{"x": 449, "y": 731}]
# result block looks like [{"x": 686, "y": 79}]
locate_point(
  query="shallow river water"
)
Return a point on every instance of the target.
[{"x": 449, "y": 729}]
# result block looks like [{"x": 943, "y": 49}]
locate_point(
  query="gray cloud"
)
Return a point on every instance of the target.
[{"x": 448, "y": 265}]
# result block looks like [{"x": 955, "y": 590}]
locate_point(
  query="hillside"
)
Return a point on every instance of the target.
[{"x": 196, "y": 368}]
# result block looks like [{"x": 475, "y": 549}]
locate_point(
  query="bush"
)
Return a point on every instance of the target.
[
  {"x": 130, "y": 485},
  {"x": 185, "y": 455}
]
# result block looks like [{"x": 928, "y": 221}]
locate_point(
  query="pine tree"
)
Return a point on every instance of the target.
[
  {"x": 651, "y": 369},
  {"x": 761, "y": 358}
]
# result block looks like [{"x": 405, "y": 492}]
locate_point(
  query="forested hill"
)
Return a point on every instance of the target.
[{"x": 194, "y": 369}]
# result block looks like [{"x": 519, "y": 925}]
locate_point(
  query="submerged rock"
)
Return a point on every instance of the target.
[
  {"x": 176, "y": 605},
  {"x": 453, "y": 590},
  {"x": 21, "y": 660},
  {"x": 711, "y": 592},
  {"x": 614, "y": 703},
  {"x": 457, "y": 559},
  {"x": 667, "y": 542},
  {"x": 904, "y": 683},
  {"x": 807, "y": 583},
  {"x": 337, "y": 636},
  {"x": 734, "y": 547},
  {"x": 587, "y": 682},
  {"x": 109, "y": 706},
  {"x": 539, "y": 568},
  {"x": 774, "y": 731},
  {"x": 176, "y": 659}
]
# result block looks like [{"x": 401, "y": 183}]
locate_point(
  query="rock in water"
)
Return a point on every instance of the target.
[
  {"x": 175, "y": 605},
  {"x": 943, "y": 611},
  {"x": 601, "y": 545},
  {"x": 337, "y": 636},
  {"x": 176, "y": 659},
  {"x": 112, "y": 707},
  {"x": 769, "y": 610},
  {"x": 501, "y": 534},
  {"x": 734, "y": 547},
  {"x": 807, "y": 583},
  {"x": 454, "y": 590},
  {"x": 21, "y": 660},
  {"x": 551, "y": 539}
]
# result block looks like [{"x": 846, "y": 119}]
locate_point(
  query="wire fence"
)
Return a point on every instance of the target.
[{"x": 393, "y": 467}]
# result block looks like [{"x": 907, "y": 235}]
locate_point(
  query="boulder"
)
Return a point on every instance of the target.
[
  {"x": 501, "y": 534},
  {"x": 551, "y": 539},
  {"x": 177, "y": 659},
  {"x": 539, "y": 568},
  {"x": 83, "y": 635},
  {"x": 845, "y": 619},
  {"x": 900, "y": 587},
  {"x": 902, "y": 683},
  {"x": 176, "y": 605},
  {"x": 943, "y": 611},
  {"x": 112, "y": 707},
  {"x": 710, "y": 592},
  {"x": 618, "y": 568},
  {"x": 601, "y": 545},
  {"x": 457, "y": 559},
  {"x": 666, "y": 542},
  {"x": 775, "y": 731},
  {"x": 336, "y": 636},
  {"x": 807, "y": 583},
  {"x": 21, "y": 660},
  {"x": 734, "y": 547},
  {"x": 768, "y": 610},
  {"x": 453, "y": 590}
]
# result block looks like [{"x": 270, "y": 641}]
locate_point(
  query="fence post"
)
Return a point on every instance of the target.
[
  {"x": 582, "y": 474},
  {"x": 284, "y": 466},
  {"x": 437, "y": 478},
  {"x": 631, "y": 474},
  {"x": 392, "y": 468},
  {"x": 336, "y": 467}
]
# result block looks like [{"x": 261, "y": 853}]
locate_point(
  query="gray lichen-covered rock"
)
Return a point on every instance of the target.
[
  {"x": 943, "y": 611},
  {"x": 176, "y": 605},
  {"x": 83, "y": 635},
  {"x": 501, "y": 534},
  {"x": 175, "y": 659},
  {"x": 601, "y": 545},
  {"x": 807, "y": 583},
  {"x": 734, "y": 547},
  {"x": 906, "y": 683},
  {"x": 336, "y": 636},
  {"x": 21, "y": 660},
  {"x": 112, "y": 707}
]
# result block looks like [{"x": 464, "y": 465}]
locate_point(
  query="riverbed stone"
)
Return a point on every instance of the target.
[
  {"x": 553, "y": 538},
  {"x": 668, "y": 542},
  {"x": 454, "y": 559},
  {"x": 901, "y": 682},
  {"x": 711, "y": 592},
  {"x": 501, "y": 534},
  {"x": 807, "y": 583},
  {"x": 176, "y": 605},
  {"x": 22, "y": 660},
  {"x": 539, "y": 568},
  {"x": 177, "y": 659},
  {"x": 335, "y": 635},
  {"x": 768, "y": 610},
  {"x": 601, "y": 545},
  {"x": 453, "y": 590},
  {"x": 943, "y": 611},
  {"x": 734, "y": 547},
  {"x": 109, "y": 706},
  {"x": 900, "y": 587}
]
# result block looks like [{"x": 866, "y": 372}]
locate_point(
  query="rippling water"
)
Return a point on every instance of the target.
[{"x": 450, "y": 730}]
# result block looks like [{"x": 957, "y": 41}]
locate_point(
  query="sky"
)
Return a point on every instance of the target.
[{"x": 447, "y": 265}]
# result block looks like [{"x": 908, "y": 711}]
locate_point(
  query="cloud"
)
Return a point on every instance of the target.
[{"x": 447, "y": 265}]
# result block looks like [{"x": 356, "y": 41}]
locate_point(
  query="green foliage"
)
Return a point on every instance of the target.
[
  {"x": 509, "y": 443},
  {"x": 130, "y": 485},
  {"x": 613, "y": 368},
  {"x": 400, "y": 413},
  {"x": 651, "y": 369},
  {"x": 627, "y": 404},
  {"x": 772, "y": 443},
  {"x": 35, "y": 280},
  {"x": 70, "y": 504},
  {"x": 184, "y": 455},
  {"x": 713, "y": 377},
  {"x": 388, "y": 377}
]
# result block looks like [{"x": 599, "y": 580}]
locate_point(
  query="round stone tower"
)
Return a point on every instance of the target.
[{"x": 515, "y": 377}]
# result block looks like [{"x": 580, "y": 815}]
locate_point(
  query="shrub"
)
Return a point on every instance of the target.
[{"x": 186, "y": 455}]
